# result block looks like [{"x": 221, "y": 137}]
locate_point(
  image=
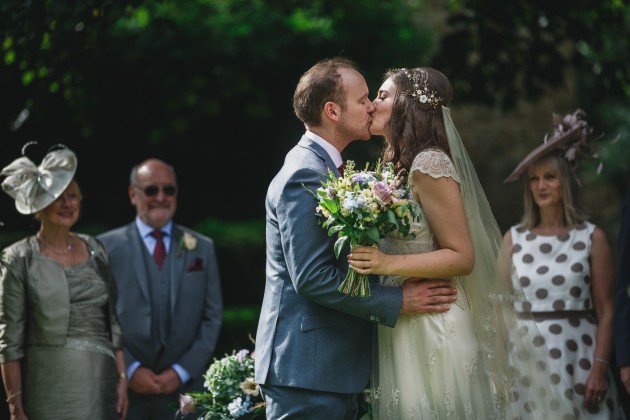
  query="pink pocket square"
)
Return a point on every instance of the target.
[{"x": 195, "y": 265}]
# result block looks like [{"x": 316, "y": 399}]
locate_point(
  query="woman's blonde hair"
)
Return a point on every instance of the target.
[{"x": 574, "y": 212}]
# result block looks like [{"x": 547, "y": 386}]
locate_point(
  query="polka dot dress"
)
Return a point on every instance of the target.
[{"x": 554, "y": 273}]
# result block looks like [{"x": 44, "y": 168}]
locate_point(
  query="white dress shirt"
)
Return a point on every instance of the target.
[{"x": 329, "y": 148}]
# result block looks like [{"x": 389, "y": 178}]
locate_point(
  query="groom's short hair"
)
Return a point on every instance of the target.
[{"x": 320, "y": 84}]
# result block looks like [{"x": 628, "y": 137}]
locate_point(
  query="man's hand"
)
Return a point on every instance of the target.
[
  {"x": 169, "y": 381},
  {"x": 624, "y": 373},
  {"x": 427, "y": 296},
  {"x": 144, "y": 381}
]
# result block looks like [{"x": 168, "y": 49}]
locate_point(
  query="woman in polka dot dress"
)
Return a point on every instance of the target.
[{"x": 565, "y": 269}]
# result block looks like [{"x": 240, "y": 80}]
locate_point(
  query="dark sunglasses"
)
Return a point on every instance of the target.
[{"x": 153, "y": 190}]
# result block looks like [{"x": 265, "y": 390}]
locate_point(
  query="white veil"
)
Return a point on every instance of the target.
[{"x": 518, "y": 364}]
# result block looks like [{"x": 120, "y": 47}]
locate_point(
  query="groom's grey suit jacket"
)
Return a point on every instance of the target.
[
  {"x": 195, "y": 301},
  {"x": 309, "y": 334}
]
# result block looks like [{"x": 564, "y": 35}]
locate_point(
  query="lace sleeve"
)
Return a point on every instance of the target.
[{"x": 435, "y": 163}]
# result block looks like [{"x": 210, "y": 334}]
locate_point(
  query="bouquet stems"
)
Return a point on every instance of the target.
[{"x": 355, "y": 284}]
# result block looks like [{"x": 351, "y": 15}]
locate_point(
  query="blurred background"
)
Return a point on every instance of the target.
[{"x": 207, "y": 86}]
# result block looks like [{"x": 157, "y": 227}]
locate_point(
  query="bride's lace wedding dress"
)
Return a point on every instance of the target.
[
  {"x": 453, "y": 365},
  {"x": 427, "y": 365}
]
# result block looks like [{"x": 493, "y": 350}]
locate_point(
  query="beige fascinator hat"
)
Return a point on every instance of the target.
[
  {"x": 571, "y": 135},
  {"x": 34, "y": 187}
]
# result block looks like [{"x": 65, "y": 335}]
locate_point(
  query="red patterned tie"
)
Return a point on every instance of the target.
[
  {"x": 342, "y": 168},
  {"x": 159, "y": 253}
]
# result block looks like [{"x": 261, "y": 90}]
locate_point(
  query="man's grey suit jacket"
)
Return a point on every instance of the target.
[
  {"x": 195, "y": 301},
  {"x": 310, "y": 335}
]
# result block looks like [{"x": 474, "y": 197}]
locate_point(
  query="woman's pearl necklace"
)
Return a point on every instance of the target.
[{"x": 55, "y": 250}]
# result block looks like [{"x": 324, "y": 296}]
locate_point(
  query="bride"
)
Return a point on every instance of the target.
[{"x": 476, "y": 360}]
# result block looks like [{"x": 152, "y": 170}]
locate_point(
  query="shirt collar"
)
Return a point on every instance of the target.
[
  {"x": 145, "y": 230},
  {"x": 329, "y": 148}
]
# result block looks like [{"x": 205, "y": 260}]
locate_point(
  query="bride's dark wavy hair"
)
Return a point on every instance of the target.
[{"x": 415, "y": 126}]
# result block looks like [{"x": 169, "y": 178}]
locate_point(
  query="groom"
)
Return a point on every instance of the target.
[{"x": 314, "y": 344}]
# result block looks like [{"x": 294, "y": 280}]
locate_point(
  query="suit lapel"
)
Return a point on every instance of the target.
[
  {"x": 320, "y": 152},
  {"x": 136, "y": 256},
  {"x": 178, "y": 258}
]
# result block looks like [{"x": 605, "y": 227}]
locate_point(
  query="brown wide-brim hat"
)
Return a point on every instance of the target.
[
  {"x": 35, "y": 187},
  {"x": 571, "y": 134}
]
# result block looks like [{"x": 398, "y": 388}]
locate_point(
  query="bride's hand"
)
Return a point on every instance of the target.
[{"x": 367, "y": 260}]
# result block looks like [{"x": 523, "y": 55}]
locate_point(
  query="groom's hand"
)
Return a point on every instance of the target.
[{"x": 424, "y": 296}]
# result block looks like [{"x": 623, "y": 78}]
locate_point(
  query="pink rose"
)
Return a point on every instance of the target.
[
  {"x": 383, "y": 192},
  {"x": 186, "y": 404}
]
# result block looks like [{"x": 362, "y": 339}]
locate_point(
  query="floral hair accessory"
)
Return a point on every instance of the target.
[
  {"x": 421, "y": 91},
  {"x": 571, "y": 134}
]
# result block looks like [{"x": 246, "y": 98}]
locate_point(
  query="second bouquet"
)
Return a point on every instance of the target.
[{"x": 362, "y": 206}]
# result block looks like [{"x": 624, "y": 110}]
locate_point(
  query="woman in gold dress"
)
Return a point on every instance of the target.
[{"x": 60, "y": 342}]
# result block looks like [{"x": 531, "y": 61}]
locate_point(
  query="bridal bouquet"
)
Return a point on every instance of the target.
[
  {"x": 362, "y": 206},
  {"x": 232, "y": 392}
]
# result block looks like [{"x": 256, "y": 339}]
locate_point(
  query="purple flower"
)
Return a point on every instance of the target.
[
  {"x": 362, "y": 177},
  {"x": 383, "y": 192},
  {"x": 241, "y": 355}
]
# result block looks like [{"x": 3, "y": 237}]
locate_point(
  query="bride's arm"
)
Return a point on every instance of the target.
[{"x": 444, "y": 210}]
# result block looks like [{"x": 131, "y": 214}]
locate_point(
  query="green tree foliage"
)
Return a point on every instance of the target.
[
  {"x": 177, "y": 64},
  {"x": 517, "y": 50},
  {"x": 204, "y": 84},
  {"x": 155, "y": 76},
  {"x": 120, "y": 80}
]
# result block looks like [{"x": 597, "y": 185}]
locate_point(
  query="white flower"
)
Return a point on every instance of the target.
[
  {"x": 249, "y": 387},
  {"x": 238, "y": 408},
  {"x": 188, "y": 241}
]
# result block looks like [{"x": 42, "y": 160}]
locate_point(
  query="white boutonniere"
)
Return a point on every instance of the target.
[{"x": 187, "y": 242}]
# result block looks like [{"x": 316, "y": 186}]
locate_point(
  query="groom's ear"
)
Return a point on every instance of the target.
[{"x": 332, "y": 111}]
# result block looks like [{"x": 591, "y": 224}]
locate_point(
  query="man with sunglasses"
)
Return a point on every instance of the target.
[{"x": 169, "y": 296}]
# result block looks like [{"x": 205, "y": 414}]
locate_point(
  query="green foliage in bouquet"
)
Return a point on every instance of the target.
[
  {"x": 362, "y": 207},
  {"x": 232, "y": 392}
]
